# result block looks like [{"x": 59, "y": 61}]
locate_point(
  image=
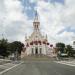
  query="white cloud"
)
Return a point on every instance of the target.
[
  {"x": 57, "y": 17},
  {"x": 53, "y": 17},
  {"x": 33, "y": 1},
  {"x": 15, "y": 22}
]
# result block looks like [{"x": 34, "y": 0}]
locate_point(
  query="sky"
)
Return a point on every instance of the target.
[{"x": 57, "y": 19}]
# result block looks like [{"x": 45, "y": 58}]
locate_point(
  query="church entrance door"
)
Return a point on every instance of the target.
[{"x": 36, "y": 51}]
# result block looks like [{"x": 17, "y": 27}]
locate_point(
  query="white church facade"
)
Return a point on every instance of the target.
[{"x": 37, "y": 44}]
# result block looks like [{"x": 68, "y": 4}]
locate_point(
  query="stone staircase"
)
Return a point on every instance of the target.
[{"x": 38, "y": 58}]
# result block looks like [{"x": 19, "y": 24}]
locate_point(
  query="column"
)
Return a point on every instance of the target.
[{"x": 34, "y": 50}]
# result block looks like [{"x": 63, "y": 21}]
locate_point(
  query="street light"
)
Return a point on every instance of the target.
[{"x": 16, "y": 54}]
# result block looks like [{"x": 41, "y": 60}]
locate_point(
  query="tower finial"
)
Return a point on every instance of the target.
[
  {"x": 36, "y": 13},
  {"x": 36, "y": 16}
]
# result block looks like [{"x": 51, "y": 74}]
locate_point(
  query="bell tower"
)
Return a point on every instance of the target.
[{"x": 36, "y": 22}]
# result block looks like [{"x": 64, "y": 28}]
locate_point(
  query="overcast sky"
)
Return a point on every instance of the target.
[{"x": 57, "y": 18}]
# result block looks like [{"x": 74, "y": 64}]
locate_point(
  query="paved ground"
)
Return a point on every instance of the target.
[
  {"x": 41, "y": 68},
  {"x": 69, "y": 62},
  {"x": 5, "y": 65}
]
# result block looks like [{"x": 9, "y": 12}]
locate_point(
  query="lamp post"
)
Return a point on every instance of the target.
[{"x": 16, "y": 54}]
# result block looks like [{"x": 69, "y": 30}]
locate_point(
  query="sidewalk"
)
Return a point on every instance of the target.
[{"x": 69, "y": 62}]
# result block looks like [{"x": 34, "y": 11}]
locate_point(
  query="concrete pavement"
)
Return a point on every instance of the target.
[
  {"x": 70, "y": 63},
  {"x": 6, "y": 65},
  {"x": 41, "y": 68}
]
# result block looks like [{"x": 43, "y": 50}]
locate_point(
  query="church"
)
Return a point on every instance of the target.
[{"x": 37, "y": 44}]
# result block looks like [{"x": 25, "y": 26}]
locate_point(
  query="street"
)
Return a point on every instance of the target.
[{"x": 41, "y": 68}]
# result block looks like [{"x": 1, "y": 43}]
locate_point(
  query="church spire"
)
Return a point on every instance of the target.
[
  {"x": 36, "y": 16},
  {"x": 36, "y": 22}
]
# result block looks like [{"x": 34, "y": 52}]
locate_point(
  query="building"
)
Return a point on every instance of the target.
[{"x": 37, "y": 44}]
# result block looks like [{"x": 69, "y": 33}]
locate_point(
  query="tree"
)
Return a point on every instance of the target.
[
  {"x": 60, "y": 47},
  {"x": 69, "y": 50},
  {"x": 7, "y": 48},
  {"x": 16, "y": 46},
  {"x": 3, "y": 48}
]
